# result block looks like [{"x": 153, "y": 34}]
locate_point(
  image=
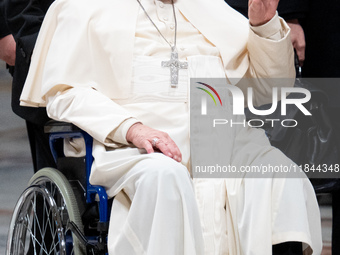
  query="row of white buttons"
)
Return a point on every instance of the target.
[
  {"x": 172, "y": 26},
  {"x": 161, "y": 5}
]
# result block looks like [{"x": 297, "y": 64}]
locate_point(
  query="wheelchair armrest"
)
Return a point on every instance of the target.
[
  {"x": 58, "y": 131},
  {"x": 54, "y": 126}
]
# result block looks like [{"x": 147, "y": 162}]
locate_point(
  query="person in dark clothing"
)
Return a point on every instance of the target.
[
  {"x": 321, "y": 26},
  {"x": 24, "y": 19}
]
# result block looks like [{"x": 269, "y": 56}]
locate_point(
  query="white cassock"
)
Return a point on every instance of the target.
[{"x": 97, "y": 65}]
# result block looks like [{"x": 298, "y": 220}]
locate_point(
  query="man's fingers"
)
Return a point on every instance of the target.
[
  {"x": 148, "y": 147},
  {"x": 149, "y": 139},
  {"x": 261, "y": 11},
  {"x": 7, "y": 49},
  {"x": 300, "y": 49},
  {"x": 169, "y": 149},
  {"x": 164, "y": 149},
  {"x": 301, "y": 55},
  {"x": 177, "y": 155},
  {"x": 298, "y": 39}
]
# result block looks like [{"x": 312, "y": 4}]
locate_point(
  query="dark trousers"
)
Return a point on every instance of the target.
[
  {"x": 41, "y": 157},
  {"x": 40, "y": 149},
  {"x": 288, "y": 248}
]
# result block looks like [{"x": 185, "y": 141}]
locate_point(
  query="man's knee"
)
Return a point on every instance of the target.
[{"x": 165, "y": 173}]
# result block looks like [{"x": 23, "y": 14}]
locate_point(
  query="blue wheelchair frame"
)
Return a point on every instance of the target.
[{"x": 60, "y": 131}]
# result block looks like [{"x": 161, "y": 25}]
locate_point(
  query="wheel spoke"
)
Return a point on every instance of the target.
[
  {"x": 34, "y": 239},
  {"x": 39, "y": 223},
  {"x": 36, "y": 221}
]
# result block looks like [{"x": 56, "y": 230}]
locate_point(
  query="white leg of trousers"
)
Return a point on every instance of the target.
[
  {"x": 278, "y": 207},
  {"x": 163, "y": 217},
  {"x": 211, "y": 199}
]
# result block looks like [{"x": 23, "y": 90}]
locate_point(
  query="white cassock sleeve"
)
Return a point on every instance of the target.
[
  {"x": 271, "y": 60},
  {"x": 75, "y": 105},
  {"x": 270, "y": 50},
  {"x": 73, "y": 70}
]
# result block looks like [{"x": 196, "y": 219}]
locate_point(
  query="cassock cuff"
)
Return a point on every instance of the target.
[
  {"x": 119, "y": 134},
  {"x": 273, "y": 29}
]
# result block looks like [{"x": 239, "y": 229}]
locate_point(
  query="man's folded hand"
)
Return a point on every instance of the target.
[
  {"x": 147, "y": 138},
  {"x": 261, "y": 11}
]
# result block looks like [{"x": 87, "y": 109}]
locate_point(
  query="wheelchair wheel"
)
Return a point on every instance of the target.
[{"x": 40, "y": 218}]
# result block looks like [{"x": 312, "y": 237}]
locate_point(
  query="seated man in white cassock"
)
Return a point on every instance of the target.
[{"x": 103, "y": 65}]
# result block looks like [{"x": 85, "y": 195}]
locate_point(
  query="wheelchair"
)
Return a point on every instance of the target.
[{"x": 60, "y": 212}]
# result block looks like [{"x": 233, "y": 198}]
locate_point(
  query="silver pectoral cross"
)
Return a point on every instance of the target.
[{"x": 174, "y": 65}]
